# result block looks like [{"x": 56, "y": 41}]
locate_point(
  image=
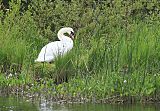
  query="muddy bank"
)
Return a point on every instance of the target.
[{"x": 28, "y": 93}]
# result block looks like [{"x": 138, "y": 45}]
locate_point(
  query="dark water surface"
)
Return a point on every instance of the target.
[{"x": 19, "y": 104}]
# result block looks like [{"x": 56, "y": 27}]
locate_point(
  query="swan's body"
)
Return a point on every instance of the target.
[{"x": 50, "y": 51}]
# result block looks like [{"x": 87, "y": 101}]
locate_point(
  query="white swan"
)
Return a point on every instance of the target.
[{"x": 50, "y": 51}]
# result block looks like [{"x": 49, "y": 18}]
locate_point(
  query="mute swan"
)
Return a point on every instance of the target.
[{"x": 50, "y": 51}]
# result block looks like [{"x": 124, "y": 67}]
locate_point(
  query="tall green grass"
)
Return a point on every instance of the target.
[
  {"x": 125, "y": 66},
  {"x": 105, "y": 61},
  {"x": 19, "y": 40}
]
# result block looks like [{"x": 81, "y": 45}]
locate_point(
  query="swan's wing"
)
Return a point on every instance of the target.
[{"x": 50, "y": 51}]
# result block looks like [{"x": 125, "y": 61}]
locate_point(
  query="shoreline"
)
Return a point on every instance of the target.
[{"x": 64, "y": 99}]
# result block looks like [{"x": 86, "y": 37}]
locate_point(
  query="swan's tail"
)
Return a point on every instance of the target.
[
  {"x": 36, "y": 60},
  {"x": 40, "y": 60},
  {"x": 49, "y": 59}
]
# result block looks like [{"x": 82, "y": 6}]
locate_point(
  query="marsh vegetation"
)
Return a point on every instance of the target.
[{"x": 116, "y": 54}]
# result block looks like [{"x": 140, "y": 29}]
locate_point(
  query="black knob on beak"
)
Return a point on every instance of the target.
[{"x": 72, "y": 35}]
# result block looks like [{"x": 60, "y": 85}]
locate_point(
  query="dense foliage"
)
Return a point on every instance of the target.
[{"x": 116, "y": 51}]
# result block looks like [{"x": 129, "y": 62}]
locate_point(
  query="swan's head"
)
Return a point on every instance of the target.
[{"x": 65, "y": 30}]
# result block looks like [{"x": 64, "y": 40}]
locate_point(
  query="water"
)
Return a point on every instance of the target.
[
  {"x": 16, "y": 104},
  {"x": 19, "y": 104}
]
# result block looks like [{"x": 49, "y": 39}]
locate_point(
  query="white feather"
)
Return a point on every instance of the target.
[{"x": 50, "y": 51}]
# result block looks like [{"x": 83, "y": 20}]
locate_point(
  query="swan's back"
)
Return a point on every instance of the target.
[{"x": 50, "y": 51}]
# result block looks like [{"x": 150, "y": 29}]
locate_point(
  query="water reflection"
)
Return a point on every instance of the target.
[
  {"x": 16, "y": 104},
  {"x": 106, "y": 107},
  {"x": 19, "y": 104}
]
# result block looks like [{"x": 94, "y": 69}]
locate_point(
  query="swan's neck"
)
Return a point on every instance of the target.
[{"x": 64, "y": 38}]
